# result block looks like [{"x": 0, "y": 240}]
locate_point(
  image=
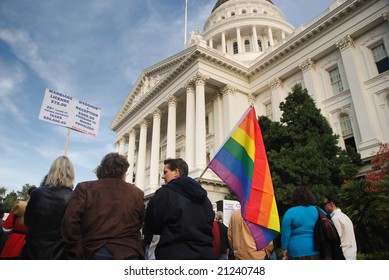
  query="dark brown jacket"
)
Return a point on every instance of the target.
[{"x": 108, "y": 212}]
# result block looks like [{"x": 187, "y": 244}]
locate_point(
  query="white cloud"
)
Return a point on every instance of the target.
[{"x": 11, "y": 77}]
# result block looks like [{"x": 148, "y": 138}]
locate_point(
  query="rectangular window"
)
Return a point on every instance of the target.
[
  {"x": 336, "y": 81},
  {"x": 380, "y": 57}
]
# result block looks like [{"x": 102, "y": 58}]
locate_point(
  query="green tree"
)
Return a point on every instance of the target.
[
  {"x": 10, "y": 200},
  {"x": 369, "y": 211},
  {"x": 23, "y": 193},
  {"x": 303, "y": 150}
]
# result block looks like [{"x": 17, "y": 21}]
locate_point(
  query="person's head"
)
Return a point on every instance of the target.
[
  {"x": 113, "y": 165},
  {"x": 61, "y": 173},
  {"x": 332, "y": 202},
  {"x": 174, "y": 168},
  {"x": 302, "y": 196},
  {"x": 219, "y": 216},
  {"x": 28, "y": 195}
]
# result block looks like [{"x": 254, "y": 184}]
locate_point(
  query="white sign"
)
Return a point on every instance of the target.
[
  {"x": 229, "y": 207},
  {"x": 64, "y": 110}
]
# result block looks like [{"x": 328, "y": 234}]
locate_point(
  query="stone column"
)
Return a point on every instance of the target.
[
  {"x": 218, "y": 121},
  {"x": 155, "y": 145},
  {"x": 211, "y": 43},
  {"x": 277, "y": 95},
  {"x": 224, "y": 49},
  {"x": 270, "y": 34},
  {"x": 122, "y": 146},
  {"x": 255, "y": 38},
  {"x": 200, "y": 143},
  {"x": 131, "y": 156},
  {"x": 171, "y": 127},
  {"x": 190, "y": 139},
  {"x": 239, "y": 40},
  {"x": 365, "y": 119},
  {"x": 141, "y": 165},
  {"x": 229, "y": 104},
  {"x": 311, "y": 80}
]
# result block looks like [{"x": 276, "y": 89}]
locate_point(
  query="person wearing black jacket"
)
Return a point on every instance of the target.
[
  {"x": 45, "y": 210},
  {"x": 181, "y": 213}
]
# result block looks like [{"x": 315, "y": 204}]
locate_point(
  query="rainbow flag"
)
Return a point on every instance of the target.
[{"x": 242, "y": 164}]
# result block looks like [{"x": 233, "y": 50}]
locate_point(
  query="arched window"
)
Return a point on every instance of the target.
[
  {"x": 235, "y": 47},
  {"x": 247, "y": 46},
  {"x": 259, "y": 45},
  {"x": 232, "y": 14},
  {"x": 243, "y": 12},
  {"x": 347, "y": 131},
  {"x": 255, "y": 11}
]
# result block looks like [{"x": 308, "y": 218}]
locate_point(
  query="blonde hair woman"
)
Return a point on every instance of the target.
[{"x": 45, "y": 210}]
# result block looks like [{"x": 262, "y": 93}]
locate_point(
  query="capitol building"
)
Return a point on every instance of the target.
[{"x": 247, "y": 53}]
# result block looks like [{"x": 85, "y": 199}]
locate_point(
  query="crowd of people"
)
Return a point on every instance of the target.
[{"x": 106, "y": 219}]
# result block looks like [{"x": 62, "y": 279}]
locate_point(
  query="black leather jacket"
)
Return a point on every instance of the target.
[{"x": 43, "y": 218}]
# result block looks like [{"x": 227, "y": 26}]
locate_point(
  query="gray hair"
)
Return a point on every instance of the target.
[{"x": 219, "y": 216}]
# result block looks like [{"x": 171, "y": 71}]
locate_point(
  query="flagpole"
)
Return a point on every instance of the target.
[
  {"x": 201, "y": 175},
  {"x": 186, "y": 20},
  {"x": 67, "y": 142}
]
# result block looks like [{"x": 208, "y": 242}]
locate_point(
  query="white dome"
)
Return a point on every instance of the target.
[{"x": 245, "y": 29}]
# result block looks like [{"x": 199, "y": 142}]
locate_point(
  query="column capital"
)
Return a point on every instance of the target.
[
  {"x": 143, "y": 123},
  {"x": 189, "y": 86},
  {"x": 157, "y": 113},
  {"x": 386, "y": 15},
  {"x": 132, "y": 132},
  {"x": 307, "y": 65},
  {"x": 276, "y": 83},
  {"x": 228, "y": 89},
  {"x": 122, "y": 140},
  {"x": 172, "y": 100},
  {"x": 251, "y": 99},
  {"x": 200, "y": 79},
  {"x": 345, "y": 43}
]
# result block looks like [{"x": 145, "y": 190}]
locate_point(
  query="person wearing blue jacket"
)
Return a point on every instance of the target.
[{"x": 297, "y": 228}]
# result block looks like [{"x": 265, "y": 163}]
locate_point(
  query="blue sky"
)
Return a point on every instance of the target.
[{"x": 94, "y": 51}]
